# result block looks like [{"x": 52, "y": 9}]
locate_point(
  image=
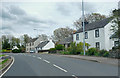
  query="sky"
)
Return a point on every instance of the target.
[{"x": 43, "y": 17}]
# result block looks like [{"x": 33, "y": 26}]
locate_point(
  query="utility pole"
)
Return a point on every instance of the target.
[{"x": 83, "y": 26}]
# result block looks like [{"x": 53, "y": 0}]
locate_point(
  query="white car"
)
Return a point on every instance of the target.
[{"x": 32, "y": 51}]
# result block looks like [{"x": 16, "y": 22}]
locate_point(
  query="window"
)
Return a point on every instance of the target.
[
  {"x": 97, "y": 45},
  {"x": 33, "y": 43},
  {"x": 30, "y": 44},
  {"x": 69, "y": 45},
  {"x": 86, "y": 35},
  {"x": 116, "y": 43},
  {"x": 77, "y": 36},
  {"x": 97, "y": 33}
]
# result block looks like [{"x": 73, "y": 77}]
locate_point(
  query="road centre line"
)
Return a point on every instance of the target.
[
  {"x": 39, "y": 58},
  {"x": 46, "y": 61},
  {"x": 59, "y": 68},
  {"x": 74, "y": 76}
]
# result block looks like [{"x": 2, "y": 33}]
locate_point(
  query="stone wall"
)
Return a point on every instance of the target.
[{"x": 115, "y": 53}]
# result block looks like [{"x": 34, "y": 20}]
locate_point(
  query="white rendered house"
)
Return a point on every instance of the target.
[
  {"x": 45, "y": 45},
  {"x": 98, "y": 34}
]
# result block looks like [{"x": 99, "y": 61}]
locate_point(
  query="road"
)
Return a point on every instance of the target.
[{"x": 52, "y": 65}]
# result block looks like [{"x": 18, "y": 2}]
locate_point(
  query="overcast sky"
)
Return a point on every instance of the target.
[{"x": 18, "y": 18}]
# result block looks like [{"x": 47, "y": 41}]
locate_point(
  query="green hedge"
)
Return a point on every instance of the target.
[{"x": 16, "y": 50}]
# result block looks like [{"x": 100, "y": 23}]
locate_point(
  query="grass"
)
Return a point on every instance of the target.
[
  {"x": 2, "y": 55},
  {"x": 4, "y": 61}
]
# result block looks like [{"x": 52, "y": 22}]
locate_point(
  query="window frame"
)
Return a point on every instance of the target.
[
  {"x": 77, "y": 36},
  {"x": 86, "y": 35},
  {"x": 97, "y": 34},
  {"x": 97, "y": 44},
  {"x": 116, "y": 43}
]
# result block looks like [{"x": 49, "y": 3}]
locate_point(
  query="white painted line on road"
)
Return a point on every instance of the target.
[
  {"x": 39, "y": 58},
  {"x": 60, "y": 68},
  {"x": 46, "y": 61},
  {"x": 8, "y": 67},
  {"x": 74, "y": 76}
]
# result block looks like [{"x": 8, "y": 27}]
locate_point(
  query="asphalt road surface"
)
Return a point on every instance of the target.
[{"x": 51, "y": 65}]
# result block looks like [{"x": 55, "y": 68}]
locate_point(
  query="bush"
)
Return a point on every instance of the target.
[
  {"x": 102, "y": 52},
  {"x": 52, "y": 50},
  {"x": 106, "y": 54},
  {"x": 59, "y": 47},
  {"x": 73, "y": 48},
  {"x": 16, "y": 51},
  {"x": 92, "y": 51},
  {"x": 65, "y": 52}
]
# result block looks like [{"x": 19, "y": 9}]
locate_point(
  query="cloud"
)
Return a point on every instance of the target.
[
  {"x": 71, "y": 7},
  {"x": 16, "y": 10},
  {"x": 16, "y": 20}
]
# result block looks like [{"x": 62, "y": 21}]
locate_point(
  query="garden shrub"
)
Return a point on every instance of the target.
[
  {"x": 59, "y": 47},
  {"x": 92, "y": 51},
  {"x": 73, "y": 48},
  {"x": 52, "y": 50},
  {"x": 106, "y": 54},
  {"x": 16, "y": 51},
  {"x": 102, "y": 52},
  {"x": 65, "y": 52}
]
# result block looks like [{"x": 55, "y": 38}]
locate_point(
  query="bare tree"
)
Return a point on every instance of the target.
[
  {"x": 89, "y": 18},
  {"x": 62, "y": 33}
]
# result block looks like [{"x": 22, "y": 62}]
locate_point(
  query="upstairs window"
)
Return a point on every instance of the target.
[
  {"x": 86, "y": 35},
  {"x": 97, "y": 33},
  {"x": 77, "y": 36}
]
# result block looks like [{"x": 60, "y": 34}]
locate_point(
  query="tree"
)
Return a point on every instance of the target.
[
  {"x": 26, "y": 39},
  {"x": 44, "y": 37},
  {"x": 62, "y": 33},
  {"x": 89, "y": 18},
  {"x": 5, "y": 44},
  {"x": 116, "y": 26}
]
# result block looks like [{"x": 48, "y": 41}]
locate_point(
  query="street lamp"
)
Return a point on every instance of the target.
[{"x": 83, "y": 26}]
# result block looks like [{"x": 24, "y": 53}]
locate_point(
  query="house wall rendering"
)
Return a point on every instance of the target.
[{"x": 103, "y": 41}]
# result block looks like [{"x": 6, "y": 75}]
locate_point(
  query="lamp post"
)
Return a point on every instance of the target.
[{"x": 83, "y": 26}]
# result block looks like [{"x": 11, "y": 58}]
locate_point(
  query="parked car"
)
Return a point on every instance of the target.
[{"x": 32, "y": 51}]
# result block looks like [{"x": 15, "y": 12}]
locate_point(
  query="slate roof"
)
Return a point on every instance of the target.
[
  {"x": 42, "y": 44},
  {"x": 66, "y": 40},
  {"x": 95, "y": 25},
  {"x": 33, "y": 40}
]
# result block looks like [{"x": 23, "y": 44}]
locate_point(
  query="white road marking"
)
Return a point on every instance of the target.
[
  {"x": 39, "y": 58},
  {"x": 60, "y": 68},
  {"x": 46, "y": 61},
  {"x": 74, "y": 76},
  {"x": 8, "y": 67}
]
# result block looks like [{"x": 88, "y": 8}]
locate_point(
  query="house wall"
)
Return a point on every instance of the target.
[
  {"x": 49, "y": 45},
  {"x": 92, "y": 39},
  {"x": 109, "y": 43},
  {"x": 33, "y": 46},
  {"x": 104, "y": 37}
]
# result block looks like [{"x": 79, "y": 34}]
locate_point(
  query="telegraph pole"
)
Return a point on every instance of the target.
[{"x": 83, "y": 26}]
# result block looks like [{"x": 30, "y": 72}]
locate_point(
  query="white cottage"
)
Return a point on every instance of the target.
[
  {"x": 45, "y": 45},
  {"x": 98, "y": 34}
]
